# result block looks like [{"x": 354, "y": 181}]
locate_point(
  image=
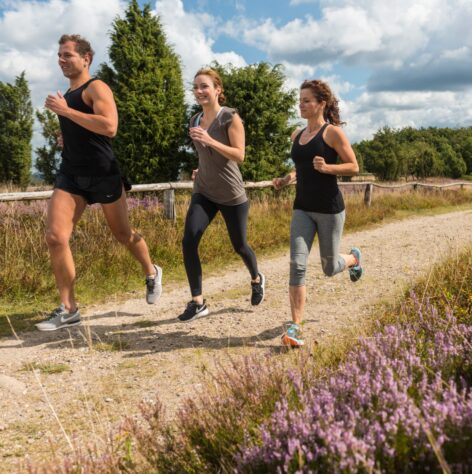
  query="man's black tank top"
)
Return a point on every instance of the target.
[
  {"x": 85, "y": 153},
  {"x": 315, "y": 191}
]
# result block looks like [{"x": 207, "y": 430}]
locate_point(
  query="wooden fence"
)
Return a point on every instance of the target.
[{"x": 169, "y": 197}]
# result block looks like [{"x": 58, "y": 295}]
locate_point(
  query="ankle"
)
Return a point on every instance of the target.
[{"x": 198, "y": 300}]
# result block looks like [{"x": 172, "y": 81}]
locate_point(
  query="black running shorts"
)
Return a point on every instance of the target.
[{"x": 94, "y": 189}]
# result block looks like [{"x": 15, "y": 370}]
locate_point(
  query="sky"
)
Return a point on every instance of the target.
[{"x": 391, "y": 63}]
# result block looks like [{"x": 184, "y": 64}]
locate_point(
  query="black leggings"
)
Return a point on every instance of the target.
[{"x": 199, "y": 215}]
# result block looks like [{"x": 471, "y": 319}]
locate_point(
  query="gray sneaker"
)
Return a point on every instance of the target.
[
  {"x": 154, "y": 286},
  {"x": 60, "y": 318}
]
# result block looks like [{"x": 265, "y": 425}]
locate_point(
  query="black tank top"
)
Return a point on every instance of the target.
[
  {"x": 85, "y": 153},
  {"x": 315, "y": 191}
]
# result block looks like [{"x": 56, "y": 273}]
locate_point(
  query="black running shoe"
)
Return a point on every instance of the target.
[
  {"x": 258, "y": 290},
  {"x": 193, "y": 311}
]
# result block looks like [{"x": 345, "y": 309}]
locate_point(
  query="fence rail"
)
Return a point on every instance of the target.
[{"x": 169, "y": 188}]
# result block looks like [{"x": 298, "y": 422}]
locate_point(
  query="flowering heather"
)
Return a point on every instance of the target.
[{"x": 401, "y": 396}]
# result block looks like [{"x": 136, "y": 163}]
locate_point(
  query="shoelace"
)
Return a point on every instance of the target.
[
  {"x": 150, "y": 283},
  {"x": 257, "y": 288}
]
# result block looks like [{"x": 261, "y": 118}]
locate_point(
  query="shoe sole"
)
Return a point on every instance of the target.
[
  {"x": 263, "y": 290},
  {"x": 157, "y": 288},
  {"x": 76, "y": 323},
  {"x": 290, "y": 341},
  {"x": 201, "y": 314}
]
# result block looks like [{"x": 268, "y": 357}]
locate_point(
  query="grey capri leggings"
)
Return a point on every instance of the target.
[{"x": 304, "y": 227}]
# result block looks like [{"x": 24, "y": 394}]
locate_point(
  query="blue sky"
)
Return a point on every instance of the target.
[{"x": 396, "y": 63}]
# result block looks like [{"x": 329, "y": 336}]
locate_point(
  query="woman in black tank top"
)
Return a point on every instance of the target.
[{"x": 319, "y": 206}]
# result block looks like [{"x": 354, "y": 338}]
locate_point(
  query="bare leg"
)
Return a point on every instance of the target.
[
  {"x": 297, "y": 302},
  {"x": 116, "y": 215},
  {"x": 64, "y": 211},
  {"x": 350, "y": 260}
]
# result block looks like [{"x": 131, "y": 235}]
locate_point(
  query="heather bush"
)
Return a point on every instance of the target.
[{"x": 400, "y": 397}]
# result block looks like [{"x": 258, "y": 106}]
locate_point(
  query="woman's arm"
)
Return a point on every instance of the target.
[
  {"x": 235, "y": 151},
  {"x": 336, "y": 139}
]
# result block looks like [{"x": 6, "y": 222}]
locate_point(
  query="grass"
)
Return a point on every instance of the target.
[
  {"x": 45, "y": 367},
  {"x": 106, "y": 271}
]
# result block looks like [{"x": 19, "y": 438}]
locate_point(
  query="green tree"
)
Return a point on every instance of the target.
[
  {"x": 48, "y": 156},
  {"x": 380, "y": 155},
  {"x": 257, "y": 92},
  {"x": 16, "y": 131},
  {"x": 145, "y": 76}
]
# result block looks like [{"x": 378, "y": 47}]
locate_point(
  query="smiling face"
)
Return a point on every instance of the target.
[
  {"x": 309, "y": 105},
  {"x": 204, "y": 90},
  {"x": 70, "y": 61}
]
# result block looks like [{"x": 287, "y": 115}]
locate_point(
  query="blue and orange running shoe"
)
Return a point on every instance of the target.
[
  {"x": 355, "y": 272},
  {"x": 293, "y": 336}
]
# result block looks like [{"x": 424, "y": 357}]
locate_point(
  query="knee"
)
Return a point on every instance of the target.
[
  {"x": 127, "y": 237},
  {"x": 189, "y": 242},
  {"x": 56, "y": 239},
  {"x": 297, "y": 273},
  {"x": 329, "y": 266}
]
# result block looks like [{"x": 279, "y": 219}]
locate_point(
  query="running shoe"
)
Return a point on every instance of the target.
[
  {"x": 293, "y": 336},
  {"x": 154, "y": 286},
  {"x": 258, "y": 290},
  {"x": 355, "y": 272},
  {"x": 60, "y": 318},
  {"x": 193, "y": 311}
]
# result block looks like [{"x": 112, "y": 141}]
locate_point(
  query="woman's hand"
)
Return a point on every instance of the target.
[
  {"x": 194, "y": 174},
  {"x": 200, "y": 135},
  {"x": 279, "y": 183},
  {"x": 320, "y": 165}
]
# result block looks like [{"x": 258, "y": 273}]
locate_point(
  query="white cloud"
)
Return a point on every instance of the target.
[
  {"x": 407, "y": 45},
  {"x": 193, "y": 37},
  {"x": 371, "y": 111}
]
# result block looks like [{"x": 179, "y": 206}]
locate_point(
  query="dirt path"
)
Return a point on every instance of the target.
[{"x": 140, "y": 350}]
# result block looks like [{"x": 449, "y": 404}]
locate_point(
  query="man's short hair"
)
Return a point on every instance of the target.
[{"x": 82, "y": 46}]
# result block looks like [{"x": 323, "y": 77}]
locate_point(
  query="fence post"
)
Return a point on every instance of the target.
[
  {"x": 169, "y": 204},
  {"x": 369, "y": 188}
]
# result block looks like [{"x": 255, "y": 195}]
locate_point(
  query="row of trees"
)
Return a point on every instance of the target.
[
  {"x": 152, "y": 144},
  {"x": 393, "y": 154}
]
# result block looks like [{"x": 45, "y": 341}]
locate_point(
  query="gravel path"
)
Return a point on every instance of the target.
[{"x": 140, "y": 350}]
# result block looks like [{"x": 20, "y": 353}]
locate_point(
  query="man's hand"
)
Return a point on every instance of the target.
[
  {"x": 57, "y": 104},
  {"x": 194, "y": 174}
]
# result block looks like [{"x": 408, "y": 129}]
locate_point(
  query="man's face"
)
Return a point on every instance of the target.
[{"x": 70, "y": 61}]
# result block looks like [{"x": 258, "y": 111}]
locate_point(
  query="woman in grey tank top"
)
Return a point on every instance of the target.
[{"x": 218, "y": 135}]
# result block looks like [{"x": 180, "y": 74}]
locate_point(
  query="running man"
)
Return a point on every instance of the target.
[{"x": 89, "y": 173}]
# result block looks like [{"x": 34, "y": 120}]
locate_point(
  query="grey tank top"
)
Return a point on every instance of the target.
[{"x": 218, "y": 178}]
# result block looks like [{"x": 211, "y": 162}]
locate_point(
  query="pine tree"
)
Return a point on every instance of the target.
[
  {"x": 48, "y": 156},
  {"x": 145, "y": 76},
  {"x": 16, "y": 131}
]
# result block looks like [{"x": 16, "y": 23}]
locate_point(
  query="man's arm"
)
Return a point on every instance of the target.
[{"x": 99, "y": 96}]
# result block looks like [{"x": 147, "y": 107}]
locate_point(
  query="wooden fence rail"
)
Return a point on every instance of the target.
[{"x": 169, "y": 188}]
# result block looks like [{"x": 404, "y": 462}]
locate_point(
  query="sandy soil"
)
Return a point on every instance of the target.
[{"x": 128, "y": 351}]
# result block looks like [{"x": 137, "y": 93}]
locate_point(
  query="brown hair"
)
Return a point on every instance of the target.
[
  {"x": 82, "y": 46},
  {"x": 216, "y": 79},
  {"x": 322, "y": 93}
]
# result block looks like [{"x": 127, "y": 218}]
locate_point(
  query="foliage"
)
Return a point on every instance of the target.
[
  {"x": 146, "y": 79},
  {"x": 422, "y": 153},
  {"x": 16, "y": 131},
  {"x": 48, "y": 156},
  {"x": 257, "y": 92}
]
